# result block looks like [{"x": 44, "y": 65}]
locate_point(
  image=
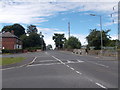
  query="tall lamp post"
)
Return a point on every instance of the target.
[{"x": 101, "y": 31}]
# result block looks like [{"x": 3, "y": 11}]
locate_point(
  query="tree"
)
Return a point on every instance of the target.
[
  {"x": 17, "y": 28},
  {"x": 59, "y": 40},
  {"x": 49, "y": 46},
  {"x": 94, "y": 38},
  {"x": 31, "y": 28},
  {"x": 114, "y": 43},
  {"x": 73, "y": 43},
  {"x": 33, "y": 40}
]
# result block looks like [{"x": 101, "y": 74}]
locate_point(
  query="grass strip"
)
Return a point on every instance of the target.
[{"x": 11, "y": 60}]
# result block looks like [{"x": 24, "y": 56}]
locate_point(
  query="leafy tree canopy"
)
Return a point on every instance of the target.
[
  {"x": 59, "y": 40},
  {"x": 94, "y": 38},
  {"x": 73, "y": 43},
  {"x": 17, "y": 28},
  {"x": 33, "y": 40},
  {"x": 31, "y": 29}
]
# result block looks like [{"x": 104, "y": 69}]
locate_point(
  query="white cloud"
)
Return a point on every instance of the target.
[
  {"x": 47, "y": 29},
  {"x": 95, "y": 6},
  {"x": 28, "y": 12},
  {"x": 36, "y": 11},
  {"x": 114, "y": 37}
]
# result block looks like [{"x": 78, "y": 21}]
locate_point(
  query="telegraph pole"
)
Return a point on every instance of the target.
[{"x": 68, "y": 29}]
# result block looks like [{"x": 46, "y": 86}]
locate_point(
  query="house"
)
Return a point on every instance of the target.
[{"x": 10, "y": 41}]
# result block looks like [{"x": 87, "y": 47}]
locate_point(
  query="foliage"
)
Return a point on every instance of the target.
[
  {"x": 32, "y": 29},
  {"x": 59, "y": 40},
  {"x": 94, "y": 38},
  {"x": 33, "y": 40},
  {"x": 49, "y": 46},
  {"x": 11, "y": 60},
  {"x": 73, "y": 43},
  {"x": 17, "y": 28},
  {"x": 11, "y": 51}
]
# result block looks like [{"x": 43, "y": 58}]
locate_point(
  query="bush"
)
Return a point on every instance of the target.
[
  {"x": 32, "y": 49},
  {"x": 12, "y": 51}
]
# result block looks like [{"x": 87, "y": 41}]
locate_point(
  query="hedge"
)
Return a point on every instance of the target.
[{"x": 12, "y": 51}]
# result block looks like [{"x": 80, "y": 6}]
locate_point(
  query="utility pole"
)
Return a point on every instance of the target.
[
  {"x": 68, "y": 29},
  {"x": 116, "y": 44},
  {"x": 100, "y": 31}
]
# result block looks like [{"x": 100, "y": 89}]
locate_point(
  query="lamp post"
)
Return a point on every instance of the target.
[
  {"x": 101, "y": 31},
  {"x": 116, "y": 44}
]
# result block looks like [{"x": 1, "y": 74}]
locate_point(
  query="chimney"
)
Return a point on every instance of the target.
[{"x": 12, "y": 32}]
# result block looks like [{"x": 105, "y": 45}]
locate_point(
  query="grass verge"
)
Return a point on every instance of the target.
[{"x": 11, "y": 60}]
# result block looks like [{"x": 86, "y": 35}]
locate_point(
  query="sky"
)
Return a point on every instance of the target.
[{"x": 52, "y": 16}]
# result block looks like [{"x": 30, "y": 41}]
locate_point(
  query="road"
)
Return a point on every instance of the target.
[{"x": 61, "y": 69}]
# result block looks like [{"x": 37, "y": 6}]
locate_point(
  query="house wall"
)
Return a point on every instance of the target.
[{"x": 11, "y": 43}]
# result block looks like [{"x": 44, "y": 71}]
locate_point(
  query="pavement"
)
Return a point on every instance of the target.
[{"x": 61, "y": 69}]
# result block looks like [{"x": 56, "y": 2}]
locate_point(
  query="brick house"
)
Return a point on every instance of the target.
[{"x": 10, "y": 41}]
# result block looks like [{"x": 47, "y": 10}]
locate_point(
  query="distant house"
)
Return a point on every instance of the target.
[{"x": 10, "y": 41}]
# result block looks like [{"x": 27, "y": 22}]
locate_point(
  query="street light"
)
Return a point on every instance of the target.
[{"x": 100, "y": 29}]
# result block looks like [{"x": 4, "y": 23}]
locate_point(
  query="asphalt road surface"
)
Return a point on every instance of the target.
[{"x": 60, "y": 69}]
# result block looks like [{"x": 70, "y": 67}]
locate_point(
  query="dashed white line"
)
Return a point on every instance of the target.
[
  {"x": 58, "y": 59},
  {"x": 78, "y": 72},
  {"x": 72, "y": 68},
  {"x": 100, "y": 85},
  {"x": 67, "y": 65}
]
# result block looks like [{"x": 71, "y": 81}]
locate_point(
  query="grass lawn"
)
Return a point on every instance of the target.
[{"x": 11, "y": 60}]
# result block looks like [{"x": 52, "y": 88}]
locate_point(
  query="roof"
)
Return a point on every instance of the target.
[{"x": 8, "y": 35}]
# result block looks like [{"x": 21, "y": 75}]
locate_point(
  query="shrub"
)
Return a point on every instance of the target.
[{"x": 12, "y": 51}]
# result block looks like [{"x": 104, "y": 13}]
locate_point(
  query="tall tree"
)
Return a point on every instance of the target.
[
  {"x": 49, "y": 46},
  {"x": 59, "y": 40},
  {"x": 72, "y": 43},
  {"x": 94, "y": 38},
  {"x": 17, "y": 28},
  {"x": 33, "y": 40},
  {"x": 31, "y": 28}
]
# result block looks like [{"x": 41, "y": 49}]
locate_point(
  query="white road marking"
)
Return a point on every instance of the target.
[
  {"x": 100, "y": 64},
  {"x": 80, "y": 60},
  {"x": 72, "y": 68},
  {"x": 42, "y": 64},
  {"x": 67, "y": 65},
  {"x": 46, "y": 60},
  {"x": 58, "y": 60},
  {"x": 100, "y": 85},
  {"x": 20, "y": 66},
  {"x": 33, "y": 60},
  {"x": 14, "y": 67},
  {"x": 78, "y": 72}
]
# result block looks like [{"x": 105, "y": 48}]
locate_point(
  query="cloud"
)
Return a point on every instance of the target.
[
  {"x": 114, "y": 37},
  {"x": 47, "y": 29},
  {"x": 36, "y": 12},
  {"x": 102, "y": 6}
]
